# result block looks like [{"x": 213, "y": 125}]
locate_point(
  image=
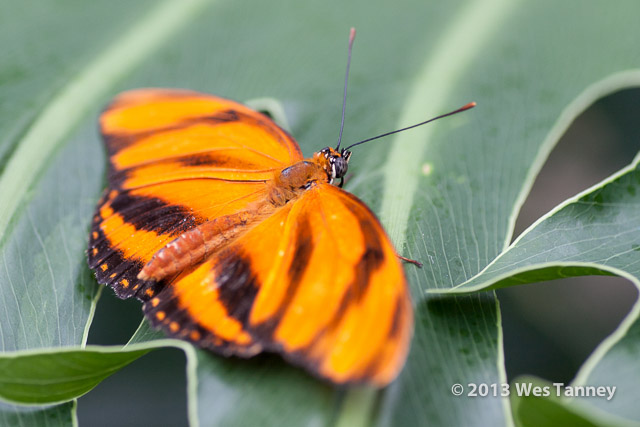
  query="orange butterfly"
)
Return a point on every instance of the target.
[
  {"x": 238, "y": 244},
  {"x": 235, "y": 242}
]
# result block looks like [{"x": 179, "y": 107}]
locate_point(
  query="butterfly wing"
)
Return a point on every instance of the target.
[
  {"x": 176, "y": 160},
  {"x": 318, "y": 281}
]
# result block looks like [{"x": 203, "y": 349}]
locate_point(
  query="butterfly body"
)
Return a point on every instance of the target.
[
  {"x": 240, "y": 245},
  {"x": 192, "y": 246}
]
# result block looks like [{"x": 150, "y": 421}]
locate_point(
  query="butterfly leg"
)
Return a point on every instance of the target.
[{"x": 412, "y": 261}]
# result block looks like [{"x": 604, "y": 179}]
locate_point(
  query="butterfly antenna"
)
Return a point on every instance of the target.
[
  {"x": 459, "y": 110},
  {"x": 352, "y": 36}
]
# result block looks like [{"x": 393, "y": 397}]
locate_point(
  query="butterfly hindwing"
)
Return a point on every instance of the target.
[
  {"x": 346, "y": 312},
  {"x": 317, "y": 281},
  {"x": 176, "y": 160}
]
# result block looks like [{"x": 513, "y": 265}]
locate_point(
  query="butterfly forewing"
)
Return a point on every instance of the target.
[{"x": 177, "y": 159}]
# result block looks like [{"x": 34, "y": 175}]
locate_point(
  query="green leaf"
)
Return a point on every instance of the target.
[
  {"x": 58, "y": 376},
  {"x": 596, "y": 232},
  {"x": 615, "y": 363},
  {"x": 447, "y": 193}
]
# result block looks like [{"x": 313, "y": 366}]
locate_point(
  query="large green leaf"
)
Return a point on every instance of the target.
[{"x": 448, "y": 194}]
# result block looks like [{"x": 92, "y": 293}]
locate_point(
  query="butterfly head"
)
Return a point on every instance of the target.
[{"x": 334, "y": 162}]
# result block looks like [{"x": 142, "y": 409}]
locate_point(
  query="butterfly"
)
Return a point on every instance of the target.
[{"x": 235, "y": 242}]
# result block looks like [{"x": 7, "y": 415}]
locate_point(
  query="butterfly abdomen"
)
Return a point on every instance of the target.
[{"x": 193, "y": 246}]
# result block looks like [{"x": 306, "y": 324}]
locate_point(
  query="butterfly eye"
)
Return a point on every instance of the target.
[{"x": 339, "y": 167}]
